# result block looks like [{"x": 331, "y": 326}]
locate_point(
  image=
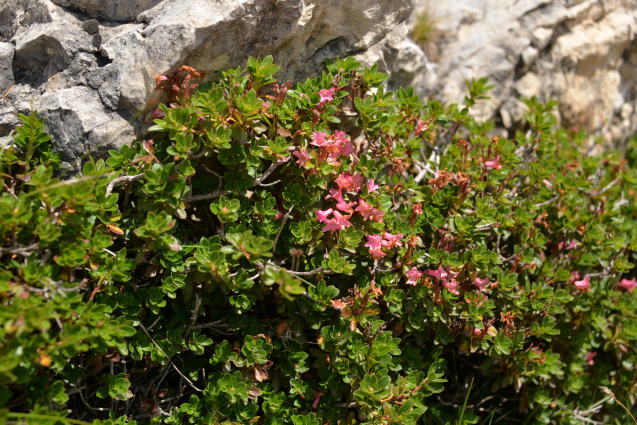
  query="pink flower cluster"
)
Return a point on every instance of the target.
[
  {"x": 326, "y": 95},
  {"x": 348, "y": 183},
  {"x": 331, "y": 148},
  {"x": 337, "y": 222},
  {"x": 378, "y": 243},
  {"x": 448, "y": 279}
]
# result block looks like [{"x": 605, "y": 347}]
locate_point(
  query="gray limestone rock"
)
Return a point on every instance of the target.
[
  {"x": 576, "y": 52},
  {"x": 77, "y": 116},
  {"x": 85, "y": 64},
  {"x": 6, "y": 66},
  {"x": 110, "y": 10}
]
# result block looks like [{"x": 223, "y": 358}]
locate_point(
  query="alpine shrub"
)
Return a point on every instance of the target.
[{"x": 323, "y": 253}]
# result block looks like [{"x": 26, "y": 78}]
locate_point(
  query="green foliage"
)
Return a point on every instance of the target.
[{"x": 327, "y": 253}]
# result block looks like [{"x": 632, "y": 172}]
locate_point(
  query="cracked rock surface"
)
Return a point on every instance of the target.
[
  {"x": 88, "y": 66},
  {"x": 582, "y": 53}
]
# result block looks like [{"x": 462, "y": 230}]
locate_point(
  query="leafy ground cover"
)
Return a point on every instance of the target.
[{"x": 320, "y": 253}]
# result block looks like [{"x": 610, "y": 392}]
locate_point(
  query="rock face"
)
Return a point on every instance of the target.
[
  {"x": 582, "y": 53},
  {"x": 88, "y": 66}
]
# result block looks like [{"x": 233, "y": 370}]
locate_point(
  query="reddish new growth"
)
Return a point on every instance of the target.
[
  {"x": 421, "y": 126},
  {"x": 444, "y": 177},
  {"x": 181, "y": 85}
]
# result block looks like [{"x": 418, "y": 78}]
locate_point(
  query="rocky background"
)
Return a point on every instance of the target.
[{"x": 88, "y": 65}]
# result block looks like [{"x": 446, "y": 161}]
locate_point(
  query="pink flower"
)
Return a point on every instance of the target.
[
  {"x": 158, "y": 114},
  {"x": 340, "y": 137},
  {"x": 342, "y": 220},
  {"x": 627, "y": 284},
  {"x": 302, "y": 157},
  {"x": 338, "y": 145},
  {"x": 278, "y": 216},
  {"x": 265, "y": 105},
  {"x": 337, "y": 222},
  {"x": 346, "y": 206},
  {"x": 369, "y": 212},
  {"x": 420, "y": 127},
  {"x": 376, "y": 253},
  {"x": 481, "y": 284},
  {"x": 413, "y": 275},
  {"x": 349, "y": 183},
  {"x": 374, "y": 242},
  {"x": 439, "y": 273},
  {"x": 326, "y": 95},
  {"x": 319, "y": 139},
  {"x": 371, "y": 186},
  {"x": 493, "y": 164},
  {"x": 337, "y": 195},
  {"x": 564, "y": 246},
  {"x": 584, "y": 284},
  {"x": 451, "y": 286},
  {"x": 392, "y": 240},
  {"x": 346, "y": 148},
  {"x": 323, "y": 215},
  {"x": 589, "y": 358}
]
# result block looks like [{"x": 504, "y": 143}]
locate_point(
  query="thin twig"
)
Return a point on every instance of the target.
[
  {"x": 278, "y": 234},
  {"x": 203, "y": 196},
  {"x": 193, "y": 317},
  {"x": 605, "y": 188},
  {"x": 547, "y": 202},
  {"x": 24, "y": 251},
  {"x": 121, "y": 180},
  {"x": 259, "y": 180},
  {"x": 309, "y": 273},
  {"x": 190, "y": 383}
]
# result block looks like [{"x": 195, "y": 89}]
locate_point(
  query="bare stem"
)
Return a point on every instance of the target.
[{"x": 121, "y": 180}]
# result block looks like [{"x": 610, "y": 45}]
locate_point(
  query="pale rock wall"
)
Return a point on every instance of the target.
[
  {"x": 88, "y": 66},
  {"x": 582, "y": 53}
]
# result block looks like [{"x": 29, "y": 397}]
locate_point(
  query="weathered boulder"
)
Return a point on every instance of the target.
[
  {"x": 582, "y": 53},
  {"x": 110, "y": 10},
  {"x": 77, "y": 116},
  {"x": 89, "y": 65},
  {"x": 6, "y": 66}
]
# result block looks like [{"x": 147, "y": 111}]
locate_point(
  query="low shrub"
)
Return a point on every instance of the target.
[{"x": 323, "y": 253}]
